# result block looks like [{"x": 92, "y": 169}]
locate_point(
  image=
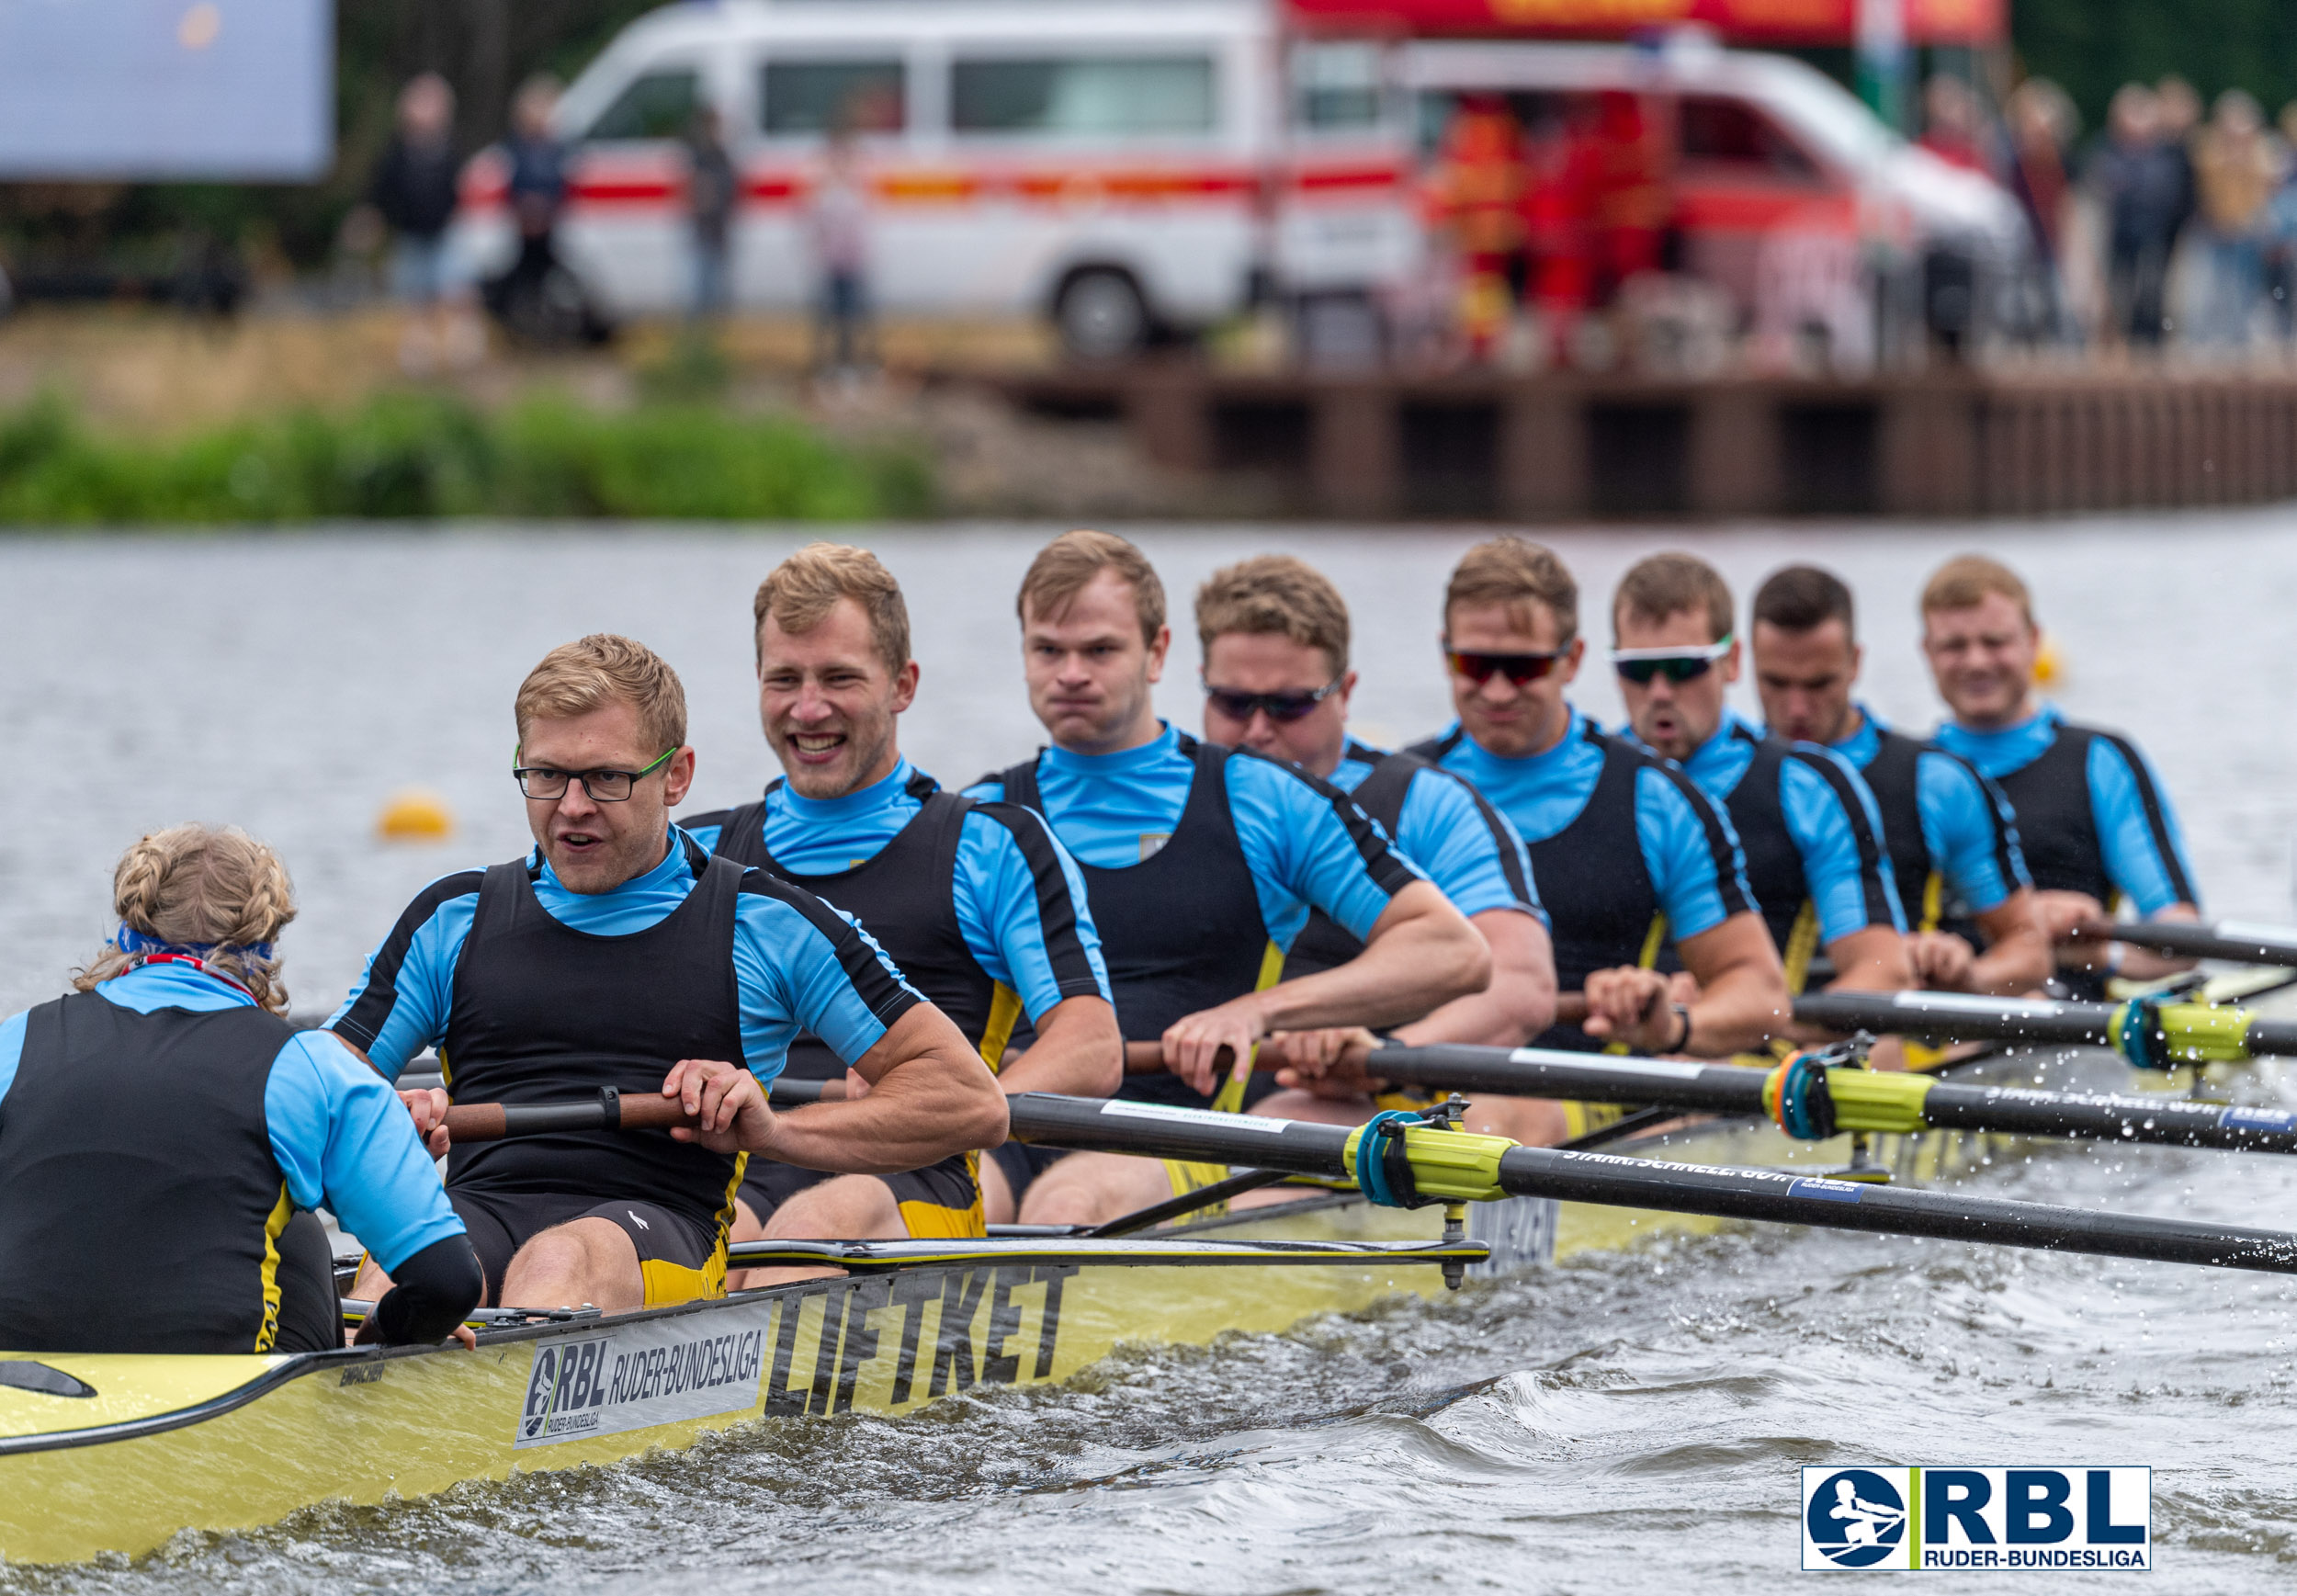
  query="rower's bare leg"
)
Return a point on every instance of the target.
[
  {"x": 1528, "y": 1121},
  {"x": 582, "y": 1260},
  {"x": 849, "y": 1209},
  {"x": 996, "y": 1204},
  {"x": 1091, "y": 1188}
]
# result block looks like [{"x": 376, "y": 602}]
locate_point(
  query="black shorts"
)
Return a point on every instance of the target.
[
  {"x": 942, "y": 1199},
  {"x": 681, "y": 1257},
  {"x": 1022, "y": 1162}
]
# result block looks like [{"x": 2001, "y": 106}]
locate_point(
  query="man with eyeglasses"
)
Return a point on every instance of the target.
[
  {"x": 1203, "y": 864},
  {"x": 1952, "y": 838},
  {"x": 2093, "y": 817},
  {"x": 1810, "y": 831},
  {"x": 1275, "y": 634},
  {"x": 1629, "y": 853},
  {"x": 619, "y": 956},
  {"x": 979, "y": 904}
]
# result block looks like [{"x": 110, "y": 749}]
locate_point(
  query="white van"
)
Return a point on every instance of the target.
[{"x": 1119, "y": 166}]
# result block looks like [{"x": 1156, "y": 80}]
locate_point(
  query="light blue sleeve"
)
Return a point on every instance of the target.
[
  {"x": 1472, "y": 852},
  {"x": 1969, "y": 834},
  {"x": 399, "y": 1006},
  {"x": 1696, "y": 864},
  {"x": 795, "y": 975},
  {"x": 992, "y": 790},
  {"x": 11, "y": 1049},
  {"x": 1309, "y": 844},
  {"x": 1001, "y": 914},
  {"x": 1852, "y": 892},
  {"x": 2148, "y": 864},
  {"x": 343, "y": 1140}
]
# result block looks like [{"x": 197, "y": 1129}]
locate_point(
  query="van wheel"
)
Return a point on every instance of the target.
[{"x": 1100, "y": 315}]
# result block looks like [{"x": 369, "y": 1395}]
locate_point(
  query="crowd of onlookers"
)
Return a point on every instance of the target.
[{"x": 2170, "y": 223}]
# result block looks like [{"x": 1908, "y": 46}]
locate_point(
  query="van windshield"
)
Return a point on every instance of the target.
[
  {"x": 817, "y": 96},
  {"x": 1082, "y": 94},
  {"x": 657, "y": 105}
]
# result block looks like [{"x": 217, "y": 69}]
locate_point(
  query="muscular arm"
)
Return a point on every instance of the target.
[
  {"x": 2017, "y": 957},
  {"x": 1519, "y": 1003},
  {"x": 1077, "y": 1050},
  {"x": 1869, "y": 959},
  {"x": 1742, "y": 999},
  {"x": 930, "y": 1097},
  {"x": 2060, "y": 912},
  {"x": 1421, "y": 954}
]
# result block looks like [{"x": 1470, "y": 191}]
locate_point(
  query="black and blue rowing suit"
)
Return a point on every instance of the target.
[
  {"x": 1952, "y": 834},
  {"x": 978, "y": 905},
  {"x": 1202, "y": 864},
  {"x": 1467, "y": 847},
  {"x": 1629, "y": 853},
  {"x": 2092, "y": 814},
  {"x": 533, "y": 993},
  {"x": 1811, "y": 835},
  {"x": 163, "y": 1145}
]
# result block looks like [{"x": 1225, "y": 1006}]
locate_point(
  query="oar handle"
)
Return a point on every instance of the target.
[
  {"x": 610, "y": 1110},
  {"x": 1147, "y": 1058}
]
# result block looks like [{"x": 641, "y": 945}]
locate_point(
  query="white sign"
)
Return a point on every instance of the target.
[
  {"x": 2082, "y": 1518},
  {"x": 654, "y": 1372}
]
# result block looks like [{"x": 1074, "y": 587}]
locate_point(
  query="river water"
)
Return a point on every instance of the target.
[{"x": 1613, "y": 1423}]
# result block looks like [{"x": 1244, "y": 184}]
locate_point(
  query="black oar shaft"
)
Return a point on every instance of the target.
[
  {"x": 1946, "y": 1015},
  {"x": 1737, "y": 1090},
  {"x": 1759, "y": 1194},
  {"x": 2228, "y": 939}
]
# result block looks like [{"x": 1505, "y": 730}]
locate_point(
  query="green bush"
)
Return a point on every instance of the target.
[{"x": 409, "y": 456}]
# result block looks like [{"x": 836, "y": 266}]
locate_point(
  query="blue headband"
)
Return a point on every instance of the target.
[{"x": 130, "y": 940}]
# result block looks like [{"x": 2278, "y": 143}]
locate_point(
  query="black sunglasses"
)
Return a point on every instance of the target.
[
  {"x": 1678, "y": 665},
  {"x": 1281, "y": 708},
  {"x": 1519, "y": 669}
]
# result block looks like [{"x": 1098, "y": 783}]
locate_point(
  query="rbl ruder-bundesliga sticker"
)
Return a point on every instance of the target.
[{"x": 1902, "y": 1517}]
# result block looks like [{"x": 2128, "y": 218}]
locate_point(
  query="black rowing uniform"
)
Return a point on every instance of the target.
[
  {"x": 976, "y": 903},
  {"x": 533, "y": 993},
  {"x": 163, "y": 1145}
]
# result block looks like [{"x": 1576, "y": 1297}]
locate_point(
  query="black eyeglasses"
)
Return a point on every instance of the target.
[
  {"x": 604, "y": 786},
  {"x": 1677, "y": 665},
  {"x": 1278, "y": 706},
  {"x": 1519, "y": 669}
]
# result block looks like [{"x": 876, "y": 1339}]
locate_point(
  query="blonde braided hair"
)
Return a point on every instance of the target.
[{"x": 211, "y": 889}]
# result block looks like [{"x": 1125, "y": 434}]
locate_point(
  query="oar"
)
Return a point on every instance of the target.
[
  {"x": 2150, "y": 1034},
  {"x": 610, "y": 1110},
  {"x": 1445, "y": 1166},
  {"x": 2234, "y": 941},
  {"x": 1882, "y": 1101},
  {"x": 1423, "y": 1163}
]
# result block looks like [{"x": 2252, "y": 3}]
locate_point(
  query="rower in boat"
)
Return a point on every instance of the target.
[
  {"x": 168, "y": 1110},
  {"x": 976, "y": 903},
  {"x": 2093, "y": 819},
  {"x": 1203, "y": 864},
  {"x": 1950, "y": 834},
  {"x": 1274, "y": 633},
  {"x": 619, "y": 955},
  {"x": 1810, "y": 830},
  {"x": 1628, "y": 852}
]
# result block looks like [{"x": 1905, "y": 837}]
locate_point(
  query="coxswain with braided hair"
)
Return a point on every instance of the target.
[{"x": 167, "y": 1106}]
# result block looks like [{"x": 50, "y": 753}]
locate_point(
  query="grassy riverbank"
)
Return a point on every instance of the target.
[{"x": 411, "y": 455}]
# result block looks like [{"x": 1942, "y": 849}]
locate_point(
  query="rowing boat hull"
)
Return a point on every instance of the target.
[{"x": 211, "y": 1444}]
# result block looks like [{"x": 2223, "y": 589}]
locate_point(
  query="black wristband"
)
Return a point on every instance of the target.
[{"x": 1682, "y": 1041}]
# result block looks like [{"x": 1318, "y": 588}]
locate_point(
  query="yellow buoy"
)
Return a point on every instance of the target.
[
  {"x": 415, "y": 815},
  {"x": 2048, "y": 666}
]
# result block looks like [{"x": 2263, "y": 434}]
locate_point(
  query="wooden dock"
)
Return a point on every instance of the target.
[{"x": 1960, "y": 443}]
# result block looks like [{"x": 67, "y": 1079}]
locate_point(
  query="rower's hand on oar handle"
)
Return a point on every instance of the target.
[
  {"x": 428, "y": 1109},
  {"x": 1204, "y": 1046},
  {"x": 1329, "y": 1062},
  {"x": 1638, "y": 1007},
  {"x": 718, "y": 1106},
  {"x": 1940, "y": 960},
  {"x": 2064, "y": 915}
]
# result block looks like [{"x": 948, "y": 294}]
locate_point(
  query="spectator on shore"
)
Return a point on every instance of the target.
[
  {"x": 413, "y": 192},
  {"x": 2141, "y": 182},
  {"x": 2280, "y": 232},
  {"x": 2236, "y": 171},
  {"x": 1953, "y": 124},
  {"x": 712, "y": 191},
  {"x": 537, "y": 193},
  {"x": 2041, "y": 125},
  {"x": 837, "y": 216}
]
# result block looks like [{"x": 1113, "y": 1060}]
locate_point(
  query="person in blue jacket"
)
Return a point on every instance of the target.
[
  {"x": 2094, "y": 818},
  {"x": 167, "y": 1110}
]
